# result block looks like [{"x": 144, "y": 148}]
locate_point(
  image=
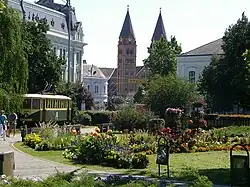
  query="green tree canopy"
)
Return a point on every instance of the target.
[
  {"x": 13, "y": 64},
  {"x": 44, "y": 65},
  {"x": 77, "y": 92},
  {"x": 225, "y": 81},
  {"x": 162, "y": 57},
  {"x": 2, "y": 6},
  {"x": 169, "y": 91}
]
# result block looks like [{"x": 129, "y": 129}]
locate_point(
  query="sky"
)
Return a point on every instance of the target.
[{"x": 192, "y": 22}]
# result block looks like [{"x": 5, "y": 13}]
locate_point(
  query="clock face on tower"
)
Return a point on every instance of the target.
[
  {"x": 120, "y": 39},
  {"x": 129, "y": 39}
]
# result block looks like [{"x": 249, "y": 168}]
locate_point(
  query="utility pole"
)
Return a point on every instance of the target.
[{"x": 69, "y": 39}]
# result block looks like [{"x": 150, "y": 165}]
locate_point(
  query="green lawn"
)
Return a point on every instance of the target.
[{"x": 183, "y": 166}]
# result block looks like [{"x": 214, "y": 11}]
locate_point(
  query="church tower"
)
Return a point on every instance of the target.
[
  {"x": 159, "y": 29},
  {"x": 126, "y": 63}
]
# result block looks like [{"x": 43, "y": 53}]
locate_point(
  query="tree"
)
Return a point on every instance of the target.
[
  {"x": 2, "y": 6},
  {"x": 162, "y": 57},
  {"x": 138, "y": 97},
  {"x": 13, "y": 64},
  {"x": 78, "y": 93},
  {"x": 44, "y": 65},
  {"x": 169, "y": 91},
  {"x": 226, "y": 81}
]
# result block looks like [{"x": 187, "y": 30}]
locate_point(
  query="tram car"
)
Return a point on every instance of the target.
[{"x": 44, "y": 108}]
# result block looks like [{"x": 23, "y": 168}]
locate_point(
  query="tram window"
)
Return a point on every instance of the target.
[
  {"x": 35, "y": 103},
  {"x": 48, "y": 103},
  {"x": 27, "y": 104}
]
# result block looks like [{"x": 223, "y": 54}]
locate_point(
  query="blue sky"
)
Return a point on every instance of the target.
[{"x": 193, "y": 22}]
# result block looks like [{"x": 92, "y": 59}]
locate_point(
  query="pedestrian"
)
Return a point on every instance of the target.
[
  {"x": 12, "y": 119},
  {"x": 3, "y": 125}
]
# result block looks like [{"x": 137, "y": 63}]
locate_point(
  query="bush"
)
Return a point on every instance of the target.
[
  {"x": 131, "y": 119},
  {"x": 103, "y": 149},
  {"x": 32, "y": 140},
  {"x": 155, "y": 124},
  {"x": 99, "y": 117},
  {"x": 83, "y": 118},
  {"x": 201, "y": 181}
]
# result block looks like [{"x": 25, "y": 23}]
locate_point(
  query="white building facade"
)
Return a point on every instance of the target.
[
  {"x": 95, "y": 81},
  {"x": 57, "y": 19},
  {"x": 190, "y": 65}
]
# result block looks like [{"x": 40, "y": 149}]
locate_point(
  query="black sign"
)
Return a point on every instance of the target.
[{"x": 163, "y": 152}]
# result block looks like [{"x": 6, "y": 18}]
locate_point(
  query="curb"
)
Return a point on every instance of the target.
[{"x": 43, "y": 159}]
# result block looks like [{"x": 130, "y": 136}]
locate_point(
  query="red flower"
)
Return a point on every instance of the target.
[{"x": 190, "y": 122}]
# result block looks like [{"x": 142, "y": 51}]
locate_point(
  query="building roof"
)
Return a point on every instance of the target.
[
  {"x": 63, "y": 9},
  {"x": 107, "y": 72},
  {"x": 211, "y": 48},
  {"x": 127, "y": 28},
  {"x": 159, "y": 29},
  {"x": 87, "y": 71},
  {"x": 46, "y": 96}
]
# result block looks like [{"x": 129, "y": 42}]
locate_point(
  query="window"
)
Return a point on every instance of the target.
[
  {"x": 54, "y": 50},
  {"x": 96, "y": 89},
  {"x": 191, "y": 76},
  {"x": 27, "y": 104},
  {"x": 60, "y": 53},
  {"x": 127, "y": 51},
  {"x": 64, "y": 53},
  {"x": 36, "y": 104},
  {"x": 88, "y": 87},
  {"x": 77, "y": 58},
  {"x": 104, "y": 89},
  {"x": 126, "y": 73}
]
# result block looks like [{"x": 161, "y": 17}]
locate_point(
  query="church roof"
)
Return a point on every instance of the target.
[
  {"x": 212, "y": 48},
  {"x": 127, "y": 28},
  {"x": 159, "y": 29}
]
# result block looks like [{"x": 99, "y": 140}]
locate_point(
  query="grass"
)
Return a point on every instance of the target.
[
  {"x": 233, "y": 131},
  {"x": 183, "y": 166}
]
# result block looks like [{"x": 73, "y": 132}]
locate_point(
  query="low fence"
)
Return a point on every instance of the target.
[{"x": 214, "y": 120}]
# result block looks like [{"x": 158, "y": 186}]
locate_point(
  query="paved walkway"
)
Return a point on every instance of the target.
[{"x": 27, "y": 166}]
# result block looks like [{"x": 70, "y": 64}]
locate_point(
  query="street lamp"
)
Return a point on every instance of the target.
[
  {"x": 69, "y": 37},
  {"x": 91, "y": 75}
]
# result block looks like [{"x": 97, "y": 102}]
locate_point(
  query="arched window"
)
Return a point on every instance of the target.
[{"x": 191, "y": 75}]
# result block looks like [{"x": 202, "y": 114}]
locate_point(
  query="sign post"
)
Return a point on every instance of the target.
[
  {"x": 239, "y": 167},
  {"x": 163, "y": 152}
]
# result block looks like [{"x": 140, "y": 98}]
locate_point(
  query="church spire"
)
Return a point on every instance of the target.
[
  {"x": 159, "y": 29},
  {"x": 127, "y": 28}
]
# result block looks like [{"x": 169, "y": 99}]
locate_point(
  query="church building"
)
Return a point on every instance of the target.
[{"x": 125, "y": 79}]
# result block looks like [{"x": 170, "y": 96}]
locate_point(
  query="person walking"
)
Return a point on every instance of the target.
[
  {"x": 12, "y": 119},
  {"x": 3, "y": 125}
]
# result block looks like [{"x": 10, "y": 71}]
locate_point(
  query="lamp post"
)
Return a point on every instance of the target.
[
  {"x": 69, "y": 37},
  {"x": 91, "y": 75}
]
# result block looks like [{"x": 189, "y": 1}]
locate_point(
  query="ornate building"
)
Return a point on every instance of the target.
[
  {"x": 58, "y": 19},
  {"x": 125, "y": 79}
]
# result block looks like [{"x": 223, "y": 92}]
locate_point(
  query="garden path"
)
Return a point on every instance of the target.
[{"x": 27, "y": 166}]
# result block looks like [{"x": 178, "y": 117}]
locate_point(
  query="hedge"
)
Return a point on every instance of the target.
[
  {"x": 97, "y": 117},
  {"x": 224, "y": 120}
]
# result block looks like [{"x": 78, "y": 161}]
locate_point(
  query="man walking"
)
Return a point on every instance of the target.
[
  {"x": 3, "y": 125},
  {"x": 12, "y": 118}
]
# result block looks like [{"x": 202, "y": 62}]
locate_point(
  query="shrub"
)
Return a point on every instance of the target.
[
  {"x": 201, "y": 181},
  {"x": 102, "y": 149},
  {"x": 99, "y": 117},
  {"x": 131, "y": 119},
  {"x": 32, "y": 140},
  {"x": 155, "y": 124},
  {"x": 83, "y": 118}
]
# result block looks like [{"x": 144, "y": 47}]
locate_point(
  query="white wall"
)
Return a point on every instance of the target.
[
  {"x": 58, "y": 36},
  {"x": 98, "y": 88},
  {"x": 185, "y": 64}
]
